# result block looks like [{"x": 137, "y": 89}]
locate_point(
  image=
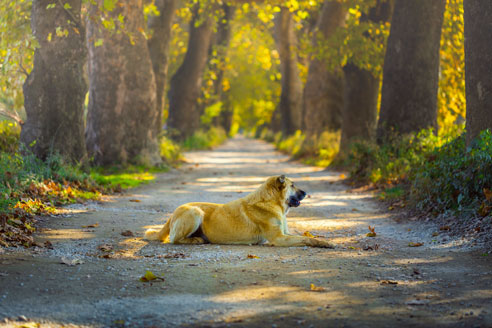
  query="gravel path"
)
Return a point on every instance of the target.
[{"x": 365, "y": 282}]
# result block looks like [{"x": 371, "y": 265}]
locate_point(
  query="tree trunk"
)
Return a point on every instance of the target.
[
  {"x": 122, "y": 97},
  {"x": 360, "y": 109},
  {"x": 478, "y": 67},
  {"x": 360, "y": 112},
  {"x": 290, "y": 107},
  {"x": 159, "y": 51},
  {"x": 184, "y": 117},
  {"x": 411, "y": 68},
  {"x": 323, "y": 92},
  {"x": 54, "y": 92}
]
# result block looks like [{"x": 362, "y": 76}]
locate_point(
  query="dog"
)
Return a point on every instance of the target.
[{"x": 256, "y": 218}]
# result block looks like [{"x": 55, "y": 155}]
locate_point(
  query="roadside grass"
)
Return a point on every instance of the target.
[{"x": 201, "y": 139}]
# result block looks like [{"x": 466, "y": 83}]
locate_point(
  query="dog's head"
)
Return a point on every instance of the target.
[{"x": 287, "y": 191}]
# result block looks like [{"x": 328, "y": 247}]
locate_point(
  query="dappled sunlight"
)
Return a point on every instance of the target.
[
  {"x": 67, "y": 234},
  {"x": 423, "y": 260}
]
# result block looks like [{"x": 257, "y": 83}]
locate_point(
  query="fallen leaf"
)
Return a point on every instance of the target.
[
  {"x": 95, "y": 225},
  {"x": 135, "y": 200},
  {"x": 372, "y": 232},
  {"x": 435, "y": 234},
  {"x": 127, "y": 233},
  {"x": 416, "y": 271},
  {"x": 342, "y": 176},
  {"x": 354, "y": 210},
  {"x": 389, "y": 282},
  {"x": 488, "y": 194},
  {"x": 105, "y": 247},
  {"x": 30, "y": 325},
  {"x": 70, "y": 262},
  {"x": 315, "y": 288},
  {"x": 149, "y": 276},
  {"x": 412, "y": 244},
  {"x": 251, "y": 256},
  {"x": 443, "y": 228},
  {"x": 308, "y": 234},
  {"x": 48, "y": 244}
]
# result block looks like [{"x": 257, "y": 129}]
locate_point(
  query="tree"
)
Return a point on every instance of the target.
[
  {"x": 359, "y": 115},
  {"x": 411, "y": 68},
  {"x": 290, "y": 107},
  {"x": 478, "y": 67},
  {"x": 122, "y": 110},
  {"x": 184, "y": 117},
  {"x": 55, "y": 90},
  {"x": 159, "y": 51},
  {"x": 323, "y": 92},
  {"x": 221, "y": 42}
]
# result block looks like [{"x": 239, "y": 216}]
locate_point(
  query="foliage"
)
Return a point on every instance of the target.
[
  {"x": 392, "y": 162},
  {"x": 17, "y": 46},
  {"x": 361, "y": 42},
  {"x": 205, "y": 139},
  {"x": 170, "y": 151},
  {"x": 316, "y": 150},
  {"x": 9, "y": 136},
  {"x": 117, "y": 179},
  {"x": 455, "y": 177},
  {"x": 451, "y": 96},
  {"x": 435, "y": 173}
]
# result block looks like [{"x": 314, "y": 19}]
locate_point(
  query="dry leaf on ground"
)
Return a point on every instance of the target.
[
  {"x": 308, "y": 234},
  {"x": 149, "y": 276},
  {"x": 315, "y": 288},
  {"x": 372, "y": 232},
  {"x": 105, "y": 247},
  {"x": 135, "y": 200},
  {"x": 127, "y": 233},
  {"x": 251, "y": 256},
  {"x": 95, "y": 225},
  {"x": 412, "y": 244},
  {"x": 389, "y": 282}
]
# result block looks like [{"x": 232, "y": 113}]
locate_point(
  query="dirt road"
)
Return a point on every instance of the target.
[{"x": 366, "y": 282}]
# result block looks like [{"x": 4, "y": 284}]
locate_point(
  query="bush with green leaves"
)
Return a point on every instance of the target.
[
  {"x": 205, "y": 139},
  {"x": 455, "y": 177}
]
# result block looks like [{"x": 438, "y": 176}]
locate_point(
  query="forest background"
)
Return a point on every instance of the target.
[{"x": 96, "y": 95}]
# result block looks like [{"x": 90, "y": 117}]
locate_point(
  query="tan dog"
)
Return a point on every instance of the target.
[{"x": 253, "y": 219}]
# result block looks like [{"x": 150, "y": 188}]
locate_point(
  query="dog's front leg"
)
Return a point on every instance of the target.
[{"x": 286, "y": 241}]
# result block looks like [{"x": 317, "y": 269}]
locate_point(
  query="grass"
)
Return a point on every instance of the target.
[{"x": 205, "y": 139}]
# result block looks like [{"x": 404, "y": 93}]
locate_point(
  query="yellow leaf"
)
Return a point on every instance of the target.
[
  {"x": 342, "y": 176},
  {"x": 135, "y": 200},
  {"x": 149, "y": 276},
  {"x": 251, "y": 256},
  {"x": 412, "y": 244},
  {"x": 315, "y": 288},
  {"x": 308, "y": 234}
]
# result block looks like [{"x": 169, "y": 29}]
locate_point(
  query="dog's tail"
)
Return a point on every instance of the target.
[{"x": 155, "y": 234}]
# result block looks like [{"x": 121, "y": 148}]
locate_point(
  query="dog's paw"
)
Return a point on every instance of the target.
[{"x": 324, "y": 244}]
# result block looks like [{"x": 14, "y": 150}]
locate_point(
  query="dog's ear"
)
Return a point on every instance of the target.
[{"x": 280, "y": 182}]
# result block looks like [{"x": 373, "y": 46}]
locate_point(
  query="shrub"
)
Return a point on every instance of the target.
[
  {"x": 205, "y": 139},
  {"x": 169, "y": 150},
  {"x": 455, "y": 177},
  {"x": 9, "y": 136}
]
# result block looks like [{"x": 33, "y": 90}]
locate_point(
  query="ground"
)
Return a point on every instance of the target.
[{"x": 90, "y": 277}]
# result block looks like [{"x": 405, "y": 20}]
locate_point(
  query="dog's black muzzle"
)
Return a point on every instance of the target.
[{"x": 295, "y": 200}]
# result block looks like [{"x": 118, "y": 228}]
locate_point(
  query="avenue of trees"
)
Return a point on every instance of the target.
[{"x": 103, "y": 80}]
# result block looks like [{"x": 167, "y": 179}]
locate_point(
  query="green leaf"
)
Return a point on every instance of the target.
[
  {"x": 98, "y": 43},
  {"x": 67, "y": 6},
  {"x": 109, "y": 5}
]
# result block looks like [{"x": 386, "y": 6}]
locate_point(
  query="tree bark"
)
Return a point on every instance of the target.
[
  {"x": 290, "y": 106},
  {"x": 159, "y": 51},
  {"x": 478, "y": 67},
  {"x": 411, "y": 68},
  {"x": 54, "y": 92},
  {"x": 222, "y": 40},
  {"x": 323, "y": 92},
  {"x": 360, "y": 112},
  {"x": 184, "y": 117},
  {"x": 122, "y": 97}
]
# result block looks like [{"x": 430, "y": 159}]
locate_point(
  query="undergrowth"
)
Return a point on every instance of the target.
[
  {"x": 205, "y": 139},
  {"x": 314, "y": 150},
  {"x": 432, "y": 173}
]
